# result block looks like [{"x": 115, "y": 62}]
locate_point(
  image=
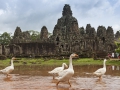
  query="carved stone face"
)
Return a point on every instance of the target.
[{"x": 67, "y": 10}]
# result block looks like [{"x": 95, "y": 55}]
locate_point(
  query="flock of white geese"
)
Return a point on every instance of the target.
[{"x": 60, "y": 73}]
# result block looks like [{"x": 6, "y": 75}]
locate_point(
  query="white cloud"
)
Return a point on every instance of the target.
[
  {"x": 2, "y": 11},
  {"x": 33, "y": 14},
  {"x": 116, "y": 27}
]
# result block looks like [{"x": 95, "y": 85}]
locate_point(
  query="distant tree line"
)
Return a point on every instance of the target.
[
  {"x": 6, "y": 38},
  {"x": 34, "y": 35},
  {"x": 118, "y": 47}
]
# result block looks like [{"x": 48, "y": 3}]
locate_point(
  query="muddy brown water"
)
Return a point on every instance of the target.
[{"x": 37, "y": 78}]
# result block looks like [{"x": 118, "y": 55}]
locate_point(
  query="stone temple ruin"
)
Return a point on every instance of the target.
[{"x": 67, "y": 38}]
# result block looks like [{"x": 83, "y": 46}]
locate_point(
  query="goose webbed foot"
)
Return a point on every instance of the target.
[
  {"x": 57, "y": 83},
  {"x": 8, "y": 76},
  {"x": 69, "y": 83},
  {"x": 100, "y": 79}
]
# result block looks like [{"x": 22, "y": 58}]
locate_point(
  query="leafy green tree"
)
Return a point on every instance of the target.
[
  {"x": 118, "y": 47},
  {"x": 34, "y": 35},
  {"x": 49, "y": 34},
  {"x": 5, "y": 38}
]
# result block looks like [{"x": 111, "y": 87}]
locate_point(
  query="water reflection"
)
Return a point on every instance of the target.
[
  {"x": 37, "y": 77},
  {"x": 79, "y": 70},
  {"x": 115, "y": 67},
  {"x": 7, "y": 79},
  {"x": 63, "y": 88}
]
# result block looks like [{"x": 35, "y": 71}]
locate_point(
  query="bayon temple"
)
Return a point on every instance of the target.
[{"x": 67, "y": 38}]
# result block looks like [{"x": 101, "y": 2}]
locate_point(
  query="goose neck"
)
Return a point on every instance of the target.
[
  {"x": 70, "y": 63},
  {"x": 12, "y": 62},
  {"x": 104, "y": 65},
  {"x": 63, "y": 65}
]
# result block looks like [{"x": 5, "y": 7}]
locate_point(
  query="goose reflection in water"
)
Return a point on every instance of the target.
[{"x": 115, "y": 67}]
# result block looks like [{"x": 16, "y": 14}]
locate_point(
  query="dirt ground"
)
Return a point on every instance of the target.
[{"x": 26, "y": 82}]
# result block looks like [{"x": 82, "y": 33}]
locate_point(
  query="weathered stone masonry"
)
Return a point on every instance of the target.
[{"x": 67, "y": 38}]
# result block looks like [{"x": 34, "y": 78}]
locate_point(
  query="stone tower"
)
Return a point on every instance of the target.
[
  {"x": 21, "y": 37},
  {"x": 44, "y": 34},
  {"x": 90, "y": 31},
  {"x": 110, "y": 33},
  {"x": 66, "y": 31}
]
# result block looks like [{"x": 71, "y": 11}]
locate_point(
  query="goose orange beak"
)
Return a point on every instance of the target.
[
  {"x": 13, "y": 58},
  {"x": 76, "y": 55}
]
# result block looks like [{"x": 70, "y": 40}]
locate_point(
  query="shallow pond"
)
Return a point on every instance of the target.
[{"x": 37, "y": 78}]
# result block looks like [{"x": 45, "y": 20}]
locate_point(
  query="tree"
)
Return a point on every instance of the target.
[
  {"x": 118, "y": 47},
  {"x": 34, "y": 35},
  {"x": 5, "y": 38},
  {"x": 49, "y": 34}
]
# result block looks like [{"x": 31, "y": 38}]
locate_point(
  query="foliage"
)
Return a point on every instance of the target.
[
  {"x": 5, "y": 38},
  {"x": 118, "y": 47},
  {"x": 34, "y": 35},
  {"x": 49, "y": 34}
]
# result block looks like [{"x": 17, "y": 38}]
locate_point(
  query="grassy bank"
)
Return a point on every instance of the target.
[{"x": 51, "y": 62}]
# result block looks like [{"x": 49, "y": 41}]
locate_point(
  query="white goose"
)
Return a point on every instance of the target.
[
  {"x": 66, "y": 74},
  {"x": 101, "y": 71},
  {"x": 55, "y": 71},
  {"x": 8, "y": 69}
]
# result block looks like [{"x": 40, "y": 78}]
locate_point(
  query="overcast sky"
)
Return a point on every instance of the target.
[{"x": 33, "y": 14}]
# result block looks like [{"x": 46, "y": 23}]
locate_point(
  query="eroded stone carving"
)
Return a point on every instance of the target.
[
  {"x": 44, "y": 34},
  {"x": 67, "y": 38}
]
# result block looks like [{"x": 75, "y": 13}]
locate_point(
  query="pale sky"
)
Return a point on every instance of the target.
[{"x": 34, "y": 14}]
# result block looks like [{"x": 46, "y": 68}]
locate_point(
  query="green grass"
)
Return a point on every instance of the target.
[{"x": 51, "y": 62}]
